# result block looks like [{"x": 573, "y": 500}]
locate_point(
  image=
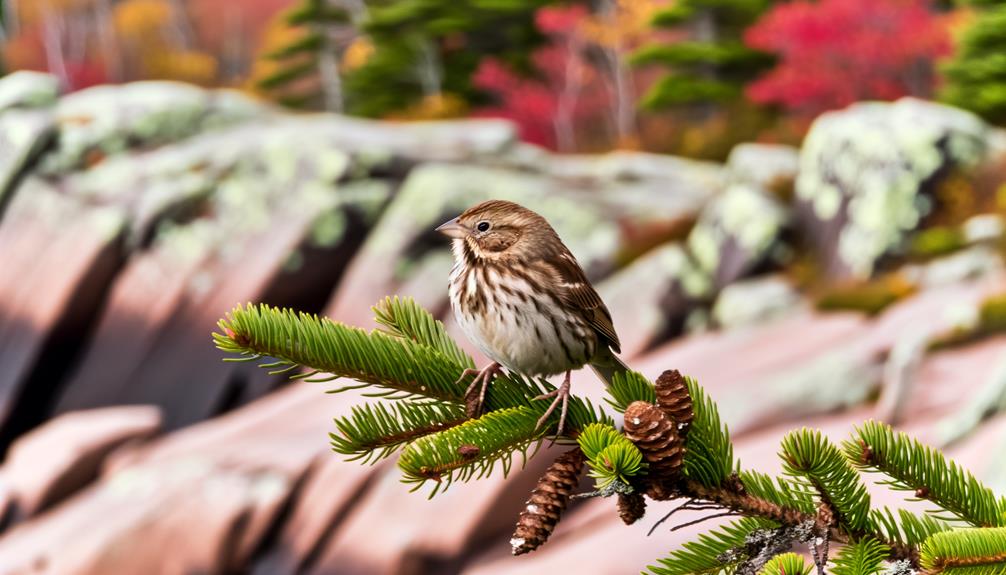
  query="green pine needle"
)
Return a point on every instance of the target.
[
  {"x": 627, "y": 387},
  {"x": 778, "y": 490},
  {"x": 709, "y": 457},
  {"x": 406, "y": 318},
  {"x": 864, "y": 557},
  {"x": 375, "y": 431},
  {"x": 786, "y": 564},
  {"x": 907, "y": 528},
  {"x": 392, "y": 363},
  {"x": 812, "y": 459},
  {"x": 707, "y": 555},
  {"x": 924, "y": 470},
  {"x": 308, "y": 44},
  {"x": 610, "y": 455},
  {"x": 288, "y": 75},
  {"x": 972, "y": 551},
  {"x": 472, "y": 449}
]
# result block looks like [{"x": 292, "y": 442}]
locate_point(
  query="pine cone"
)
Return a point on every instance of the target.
[
  {"x": 631, "y": 507},
  {"x": 657, "y": 438},
  {"x": 674, "y": 399},
  {"x": 547, "y": 502}
]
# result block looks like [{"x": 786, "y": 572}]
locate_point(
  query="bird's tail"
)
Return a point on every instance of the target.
[{"x": 606, "y": 364}]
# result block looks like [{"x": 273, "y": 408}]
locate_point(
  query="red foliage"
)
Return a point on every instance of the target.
[
  {"x": 534, "y": 103},
  {"x": 835, "y": 52}
]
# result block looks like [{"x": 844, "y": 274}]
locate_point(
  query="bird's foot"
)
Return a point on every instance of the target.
[
  {"x": 475, "y": 395},
  {"x": 561, "y": 395}
]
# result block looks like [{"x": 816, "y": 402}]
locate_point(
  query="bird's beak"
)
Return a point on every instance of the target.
[{"x": 453, "y": 229}]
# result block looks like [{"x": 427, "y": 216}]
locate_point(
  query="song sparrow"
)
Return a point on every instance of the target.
[{"x": 521, "y": 297}]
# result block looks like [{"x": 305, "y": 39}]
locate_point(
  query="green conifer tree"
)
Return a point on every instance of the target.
[
  {"x": 428, "y": 47},
  {"x": 308, "y": 75},
  {"x": 673, "y": 445},
  {"x": 976, "y": 77},
  {"x": 713, "y": 64}
]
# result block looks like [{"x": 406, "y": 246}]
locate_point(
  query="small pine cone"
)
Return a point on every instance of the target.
[
  {"x": 547, "y": 502},
  {"x": 657, "y": 438},
  {"x": 631, "y": 507},
  {"x": 674, "y": 399}
]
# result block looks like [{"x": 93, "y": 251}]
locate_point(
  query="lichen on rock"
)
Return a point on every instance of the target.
[
  {"x": 735, "y": 232},
  {"x": 27, "y": 89},
  {"x": 864, "y": 170}
]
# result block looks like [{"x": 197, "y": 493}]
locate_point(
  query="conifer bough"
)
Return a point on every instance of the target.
[{"x": 673, "y": 446}]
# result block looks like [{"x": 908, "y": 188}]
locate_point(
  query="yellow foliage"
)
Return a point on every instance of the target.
[
  {"x": 433, "y": 107},
  {"x": 357, "y": 54},
  {"x": 138, "y": 19},
  {"x": 278, "y": 34},
  {"x": 956, "y": 199},
  {"x": 32, "y": 11},
  {"x": 870, "y": 297},
  {"x": 186, "y": 66},
  {"x": 1001, "y": 196},
  {"x": 626, "y": 25}
]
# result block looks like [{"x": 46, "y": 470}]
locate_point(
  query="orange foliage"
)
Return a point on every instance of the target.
[
  {"x": 277, "y": 34},
  {"x": 357, "y": 54},
  {"x": 624, "y": 27},
  {"x": 142, "y": 27},
  {"x": 433, "y": 107},
  {"x": 139, "y": 20},
  {"x": 31, "y": 12}
]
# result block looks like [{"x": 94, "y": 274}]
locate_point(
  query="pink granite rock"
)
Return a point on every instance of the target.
[{"x": 51, "y": 462}]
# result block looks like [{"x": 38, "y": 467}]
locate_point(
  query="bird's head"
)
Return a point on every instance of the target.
[{"x": 499, "y": 230}]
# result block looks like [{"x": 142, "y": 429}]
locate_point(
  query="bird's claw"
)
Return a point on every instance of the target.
[
  {"x": 561, "y": 394},
  {"x": 475, "y": 395}
]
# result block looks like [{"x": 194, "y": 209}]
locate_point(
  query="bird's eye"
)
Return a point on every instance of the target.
[{"x": 482, "y": 226}]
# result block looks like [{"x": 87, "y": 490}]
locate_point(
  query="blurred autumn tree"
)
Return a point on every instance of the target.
[
  {"x": 976, "y": 77},
  {"x": 580, "y": 94},
  {"x": 712, "y": 63},
  {"x": 832, "y": 53},
  {"x": 157, "y": 43},
  {"x": 704, "y": 65},
  {"x": 429, "y": 49},
  {"x": 86, "y": 42},
  {"x": 303, "y": 68}
]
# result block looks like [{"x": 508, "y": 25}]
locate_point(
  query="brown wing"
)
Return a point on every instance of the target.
[{"x": 579, "y": 294}]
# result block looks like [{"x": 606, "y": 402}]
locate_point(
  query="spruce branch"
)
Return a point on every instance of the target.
[
  {"x": 673, "y": 445},
  {"x": 864, "y": 557},
  {"x": 778, "y": 491},
  {"x": 378, "y": 359},
  {"x": 813, "y": 460},
  {"x": 627, "y": 387},
  {"x": 375, "y": 431},
  {"x": 611, "y": 456},
  {"x": 924, "y": 470},
  {"x": 447, "y": 457},
  {"x": 787, "y": 564},
  {"x": 907, "y": 531},
  {"x": 712, "y": 552},
  {"x": 965, "y": 551},
  {"x": 404, "y": 317},
  {"x": 709, "y": 458}
]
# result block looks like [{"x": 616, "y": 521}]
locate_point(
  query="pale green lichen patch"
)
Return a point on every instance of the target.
[
  {"x": 23, "y": 134},
  {"x": 27, "y": 89},
  {"x": 873, "y": 158},
  {"x": 743, "y": 214},
  {"x": 755, "y": 301},
  {"x": 106, "y": 120}
]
